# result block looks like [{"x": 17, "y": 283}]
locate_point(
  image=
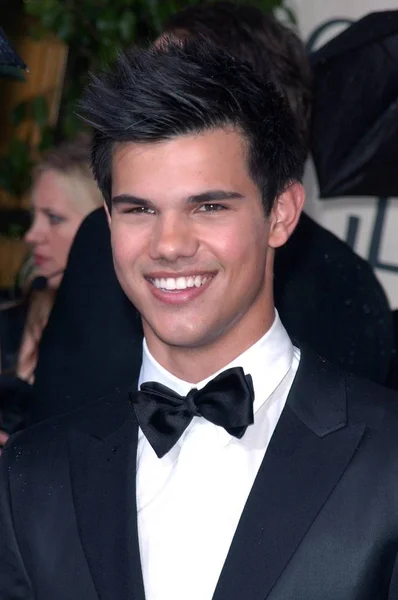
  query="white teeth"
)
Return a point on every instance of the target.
[
  {"x": 179, "y": 283},
  {"x": 170, "y": 283}
]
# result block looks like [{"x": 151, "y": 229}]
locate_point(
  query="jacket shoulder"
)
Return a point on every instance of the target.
[
  {"x": 372, "y": 403},
  {"x": 325, "y": 397},
  {"x": 99, "y": 418}
]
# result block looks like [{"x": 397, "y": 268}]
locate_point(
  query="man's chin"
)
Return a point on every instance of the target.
[{"x": 184, "y": 338}]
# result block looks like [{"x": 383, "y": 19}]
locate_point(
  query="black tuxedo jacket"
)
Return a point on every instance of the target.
[{"x": 320, "y": 523}]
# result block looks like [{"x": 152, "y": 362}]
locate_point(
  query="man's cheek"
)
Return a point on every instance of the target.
[{"x": 121, "y": 248}]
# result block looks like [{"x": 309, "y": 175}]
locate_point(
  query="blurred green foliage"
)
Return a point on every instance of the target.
[{"x": 95, "y": 31}]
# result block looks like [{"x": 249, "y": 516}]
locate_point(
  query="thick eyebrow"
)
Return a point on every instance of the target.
[
  {"x": 213, "y": 196},
  {"x": 130, "y": 199},
  {"x": 209, "y": 196}
]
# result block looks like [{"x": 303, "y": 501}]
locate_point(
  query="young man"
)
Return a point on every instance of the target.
[
  {"x": 320, "y": 283},
  {"x": 237, "y": 466}
]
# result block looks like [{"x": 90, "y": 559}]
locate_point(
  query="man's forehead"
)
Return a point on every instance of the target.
[
  {"x": 182, "y": 167},
  {"x": 210, "y": 141}
]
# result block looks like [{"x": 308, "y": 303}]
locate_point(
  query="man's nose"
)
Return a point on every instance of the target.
[{"x": 173, "y": 237}]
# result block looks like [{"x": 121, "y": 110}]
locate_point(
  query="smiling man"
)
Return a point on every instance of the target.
[
  {"x": 237, "y": 466},
  {"x": 193, "y": 246}
]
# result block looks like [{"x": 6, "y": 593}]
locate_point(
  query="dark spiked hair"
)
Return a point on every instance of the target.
[
  {"x": 250, "y": 34},
  {"x": 182, "y": 87}
]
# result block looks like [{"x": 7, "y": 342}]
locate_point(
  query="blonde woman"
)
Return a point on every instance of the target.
[{"x": 63, "y": 193}]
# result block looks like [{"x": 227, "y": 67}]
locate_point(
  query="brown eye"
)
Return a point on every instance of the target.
[
  {"x": 138, "y": 210},
  {"x": 212, "y": 207}
]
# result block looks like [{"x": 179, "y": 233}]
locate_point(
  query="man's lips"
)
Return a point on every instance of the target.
[{"x": 179, "y": 288}]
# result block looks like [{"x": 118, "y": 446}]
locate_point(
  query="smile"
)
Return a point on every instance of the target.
[{"x": 171, "y": 284}]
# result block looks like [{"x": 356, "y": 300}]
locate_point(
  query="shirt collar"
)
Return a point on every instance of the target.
[{"x": 267, "y": 361}]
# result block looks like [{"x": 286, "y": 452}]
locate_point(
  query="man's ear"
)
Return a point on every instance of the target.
[
  {"x": 285, "y": 214},
  {"x": 108, "y": 214}
]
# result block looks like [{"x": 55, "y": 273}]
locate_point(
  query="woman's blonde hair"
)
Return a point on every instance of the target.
[{"x": 72, "y": 159}]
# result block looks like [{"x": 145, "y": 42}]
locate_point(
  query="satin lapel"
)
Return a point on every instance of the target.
[
  {"x": 299, "y": 472},
  {"x": 103, "y": 481}
]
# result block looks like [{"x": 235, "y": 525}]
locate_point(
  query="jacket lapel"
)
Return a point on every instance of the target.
[
  {"x": 309, "y": 451},
  {"x": 103, "y": 466}
]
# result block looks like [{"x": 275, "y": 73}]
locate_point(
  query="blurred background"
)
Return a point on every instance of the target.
[{"x": 61, "y": 41}]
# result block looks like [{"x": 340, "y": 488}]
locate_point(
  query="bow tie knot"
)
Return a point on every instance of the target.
[
  {"x": 163, "y": 415},
  {"x": 190, "y": 405}
]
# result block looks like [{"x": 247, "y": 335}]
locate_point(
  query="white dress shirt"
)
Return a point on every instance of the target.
[{"x": 190, "y": 501}]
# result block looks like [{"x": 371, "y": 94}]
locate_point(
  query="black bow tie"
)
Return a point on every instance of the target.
[{"x": 163, "y": 415}]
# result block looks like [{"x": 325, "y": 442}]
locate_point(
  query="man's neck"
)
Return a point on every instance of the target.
[{"x": 195, "y": 364}]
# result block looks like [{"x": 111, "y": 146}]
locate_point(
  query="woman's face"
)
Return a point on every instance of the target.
[{"x": 55, "y": 223}]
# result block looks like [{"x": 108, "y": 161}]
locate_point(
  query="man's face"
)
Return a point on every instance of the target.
[{"x": 190, "y": 241}]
